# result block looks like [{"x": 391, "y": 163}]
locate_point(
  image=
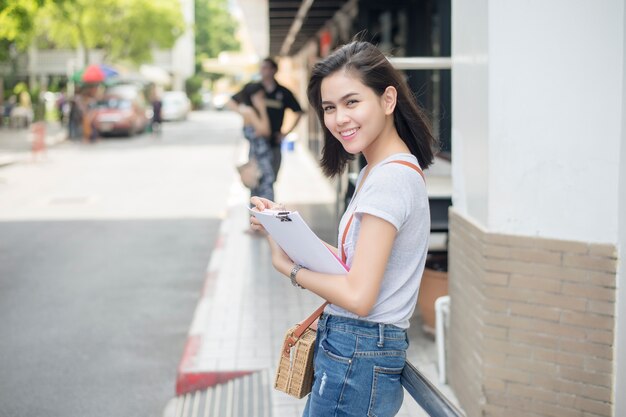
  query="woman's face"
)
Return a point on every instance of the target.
[{"x": 353, "y": 112}]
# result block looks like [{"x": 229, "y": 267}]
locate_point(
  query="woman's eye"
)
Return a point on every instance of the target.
[
  {"x": 327, "y": 109},
  {"x": 351, "y": 102}
]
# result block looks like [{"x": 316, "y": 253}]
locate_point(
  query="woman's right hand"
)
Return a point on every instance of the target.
[{"x": 261, "y": 204}]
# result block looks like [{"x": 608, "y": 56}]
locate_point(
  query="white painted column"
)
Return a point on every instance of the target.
[
  {"x": 183, "y": 51},
  {"x": 470, "y": 86},
  {"x": 555, "y": 118},
  {"x": 620, "y": 322},
  {"x": 537, "y": 119}
]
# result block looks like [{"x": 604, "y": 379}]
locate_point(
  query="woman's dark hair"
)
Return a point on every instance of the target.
[{"x": 375, "y": 71}]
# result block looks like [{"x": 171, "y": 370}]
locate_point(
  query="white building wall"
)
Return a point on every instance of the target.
[
  {"x": 470, "y": 133},
  {"x": 183, "y": 52},
  {"x": 555, "y": 75},
  {"x": 620, "y": 322},
  {"x": 255, "y": 30},
  {"x": 537, "y": 119}
]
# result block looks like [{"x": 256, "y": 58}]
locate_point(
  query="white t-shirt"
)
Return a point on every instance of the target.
[{"x": 395, "y": 193}]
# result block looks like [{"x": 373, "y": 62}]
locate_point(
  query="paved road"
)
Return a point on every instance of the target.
[{"x": 103, "y": 251}]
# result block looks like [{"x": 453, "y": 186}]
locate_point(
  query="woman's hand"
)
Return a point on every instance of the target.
[
  {"x": 258, "y": 100},
  {"x": 261, "y": 204}
]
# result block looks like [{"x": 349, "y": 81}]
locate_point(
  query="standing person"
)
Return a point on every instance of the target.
[
  {"x": 277, "y": 99},
  {"x": 89, "y": 132},
  {"x": 366, "y": 106},
  {"x": 156, "y": 122},
  {"x": 250, "y": 103},
  {"x": 8, "y": 108},
  {"x": 75, "y": 119}
]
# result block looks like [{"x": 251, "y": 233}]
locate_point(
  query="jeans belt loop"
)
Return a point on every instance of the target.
[{"x": 381, "y": 335}]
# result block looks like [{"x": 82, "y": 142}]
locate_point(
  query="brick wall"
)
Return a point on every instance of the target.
[{"x": 532, "y": 324}]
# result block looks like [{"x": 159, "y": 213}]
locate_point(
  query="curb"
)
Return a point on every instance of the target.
[
  {"x": 191, "y": 375},
  {"x": 7, "y": 160},
  {"x": 50, "y": 140}
]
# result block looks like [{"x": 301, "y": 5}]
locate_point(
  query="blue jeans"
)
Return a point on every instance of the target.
[
  {"x": 358, "y": 365},
  {"x": 261, "y": 151}
]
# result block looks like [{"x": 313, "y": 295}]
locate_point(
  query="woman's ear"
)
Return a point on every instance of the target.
[{"x": 389, "y": 99}]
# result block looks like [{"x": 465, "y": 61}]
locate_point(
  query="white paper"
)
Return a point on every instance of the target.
[{"x": 299, "y": 242}]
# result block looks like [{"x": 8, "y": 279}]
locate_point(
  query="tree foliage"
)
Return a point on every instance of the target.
[
  {"x": 215, "y": 29},
  {"x": 125, "y": 30},
  {"x": 17, "y": 23}
]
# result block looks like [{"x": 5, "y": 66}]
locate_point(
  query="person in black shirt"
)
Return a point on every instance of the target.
[{"x": 277, "y": 99}]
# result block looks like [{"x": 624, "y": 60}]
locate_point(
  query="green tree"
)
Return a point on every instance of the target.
[
  {"x": 16, "y": 31},
  {"x": 215, "y": 30},
  {"x": 124, "y": 29},
  {"x": 17, "y": 23}
]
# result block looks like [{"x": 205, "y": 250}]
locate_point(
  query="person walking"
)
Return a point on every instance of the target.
[{"x": 365, "y": 106}]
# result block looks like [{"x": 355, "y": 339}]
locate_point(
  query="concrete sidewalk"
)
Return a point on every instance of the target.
[{"x": 246, "y": 307}]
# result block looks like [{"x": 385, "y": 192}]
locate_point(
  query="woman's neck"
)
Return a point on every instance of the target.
[{"x": 388, "y": 143}]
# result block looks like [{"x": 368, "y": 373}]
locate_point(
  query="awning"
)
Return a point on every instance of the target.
[{"x": 294, "y": 22}]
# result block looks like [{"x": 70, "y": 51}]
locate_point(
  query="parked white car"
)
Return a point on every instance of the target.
[{"x": 175, "y": 105}]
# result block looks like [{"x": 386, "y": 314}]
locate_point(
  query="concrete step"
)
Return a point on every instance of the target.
[{"x": 247, "y": 396}]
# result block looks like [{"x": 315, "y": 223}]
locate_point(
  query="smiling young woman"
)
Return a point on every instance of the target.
[{"x": 366, "y": 107}]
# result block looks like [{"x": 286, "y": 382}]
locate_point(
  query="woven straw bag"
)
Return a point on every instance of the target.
[{"x": 294, "y": 375}]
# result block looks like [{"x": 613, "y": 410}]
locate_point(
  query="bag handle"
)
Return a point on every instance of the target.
[{"x": 290, "y": 341}]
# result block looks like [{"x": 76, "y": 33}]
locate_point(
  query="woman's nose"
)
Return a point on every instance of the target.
[{"x": 341, "y": 117}]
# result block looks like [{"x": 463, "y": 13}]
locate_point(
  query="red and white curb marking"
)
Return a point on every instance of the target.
[{"x": 191, "y": 375}]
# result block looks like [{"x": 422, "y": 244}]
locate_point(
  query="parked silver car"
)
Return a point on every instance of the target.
[{"x": 175, "y": 105}]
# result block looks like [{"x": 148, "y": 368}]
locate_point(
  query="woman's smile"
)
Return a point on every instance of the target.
[{"x": 348, "y": 134}]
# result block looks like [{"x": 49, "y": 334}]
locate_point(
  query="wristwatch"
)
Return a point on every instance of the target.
[{"x": 293, "y": 273}]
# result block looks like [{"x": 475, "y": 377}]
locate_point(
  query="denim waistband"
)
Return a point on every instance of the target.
[{"x": 362, "y": 327}]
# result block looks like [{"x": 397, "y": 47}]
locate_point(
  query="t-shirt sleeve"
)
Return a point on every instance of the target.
[
  {"x": 291, "y": 102},
  {"x": 389, "y": 193}
]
